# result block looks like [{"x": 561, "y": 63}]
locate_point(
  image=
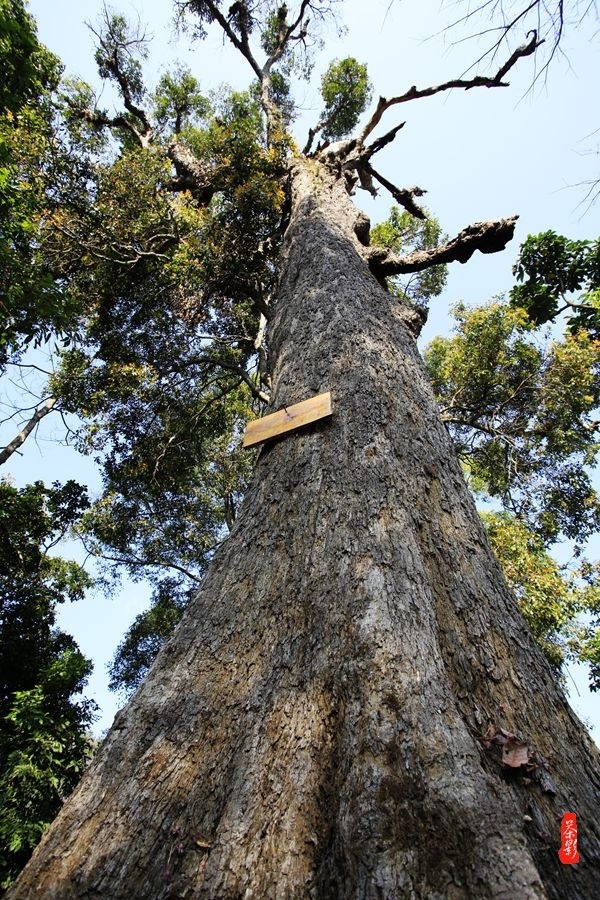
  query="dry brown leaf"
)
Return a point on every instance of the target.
[{"x": 515, "y": 754}]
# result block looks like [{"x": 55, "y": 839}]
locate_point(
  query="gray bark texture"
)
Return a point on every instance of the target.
[{"x": 316, "y": 726}]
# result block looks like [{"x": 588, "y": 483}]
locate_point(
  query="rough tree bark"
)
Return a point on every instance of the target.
[{"x": 326, "y": 721}]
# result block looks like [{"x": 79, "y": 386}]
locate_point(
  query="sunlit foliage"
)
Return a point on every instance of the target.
[
  {"x": 404, "y": 233},
  {"x": 346, "y": 91}
]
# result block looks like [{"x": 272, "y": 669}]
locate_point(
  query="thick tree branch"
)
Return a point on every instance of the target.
[
  {"x": 259, "y": 346},
  {"x": 382, "y": 142},
  {"x": 284, "y": 36},
  {"x": 415, "y": 93},
  {"x": 113, "y": 65},
  {"x": 22, "y": 436},
  {"x": 111, "y": 44},
  {"x": 100, "y": 120},
  {"x": 246, "y": 378},
  {"x": 192, "y": 174},
  {"x": 240, "y": 44},
  {"x": 487, "y": 237}
]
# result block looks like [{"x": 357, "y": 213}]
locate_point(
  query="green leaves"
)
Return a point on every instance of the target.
[
  {"x": 33, "y": 176},
  {"x": 561, "y": 604},
  {"x": 120, "y": 53},
  {"x": 550, "y": 268},
  {"x": 44, "y": 749},
  {"x": 178, "y": 102},
  {"x": 43, "y": 741},
  {"x": 146, "y": 635},
  {"x": 346, "y": 91},
  {"x": 520, "y": 409},
  {"x": 550, "y": 598},
  {"x": 403, "y": 233},
  {"x": 28, "y": 69}
]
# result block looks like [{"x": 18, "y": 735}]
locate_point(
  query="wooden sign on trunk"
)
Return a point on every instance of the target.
[{"x": 287, "y": 419}]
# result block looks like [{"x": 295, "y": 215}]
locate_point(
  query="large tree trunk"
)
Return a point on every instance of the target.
[{"x": 315, "y": 727}]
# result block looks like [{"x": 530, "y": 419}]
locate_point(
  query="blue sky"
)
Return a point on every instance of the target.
[{"x": 480, "y": 154}]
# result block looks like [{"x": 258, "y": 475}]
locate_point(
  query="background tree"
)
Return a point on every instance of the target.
[
  {"x": 35, "y": 174},
  {"x": 521, "y": 408},
  {"x": 44, "y": 742},
  {"x": 551, "y": 269},
  {"x": 351, "y": 704}
]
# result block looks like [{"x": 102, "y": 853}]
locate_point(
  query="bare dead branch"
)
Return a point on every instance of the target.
[
  {"x": 487, "y": 237},
  {"x": 415, "y": 93},
  {"x": 404, "y": 196},
  {"x": 550, "y": 22},
  {"x": 383, "y": 141},
  {"x": 524, "y": 50},
  {"x": 22, "y": 436},
  {"x": 312, "y": 133}
]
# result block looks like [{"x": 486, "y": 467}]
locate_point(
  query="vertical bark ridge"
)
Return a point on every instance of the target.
[{"x": 313, "y": 728}]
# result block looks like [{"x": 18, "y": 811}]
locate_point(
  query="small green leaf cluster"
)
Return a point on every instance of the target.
[
  {"x": 119, "y": 55},
  {"x": 178, "y": 101},
  {"x": 403, "y": 233},
  {"x": 346, "y": 91},
  {"x": 146, "y": 635}
]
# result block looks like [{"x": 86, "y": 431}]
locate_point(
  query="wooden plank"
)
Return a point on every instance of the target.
[{"x": 287, "y": 419}]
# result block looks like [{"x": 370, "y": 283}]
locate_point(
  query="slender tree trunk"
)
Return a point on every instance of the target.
[{"x": 315, "y": 727}]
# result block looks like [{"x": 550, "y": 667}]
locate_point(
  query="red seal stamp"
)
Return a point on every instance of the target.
[{"x": 568, "y": 839}]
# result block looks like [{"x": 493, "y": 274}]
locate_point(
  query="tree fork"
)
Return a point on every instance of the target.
[{"x": 319, "y": 724}]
